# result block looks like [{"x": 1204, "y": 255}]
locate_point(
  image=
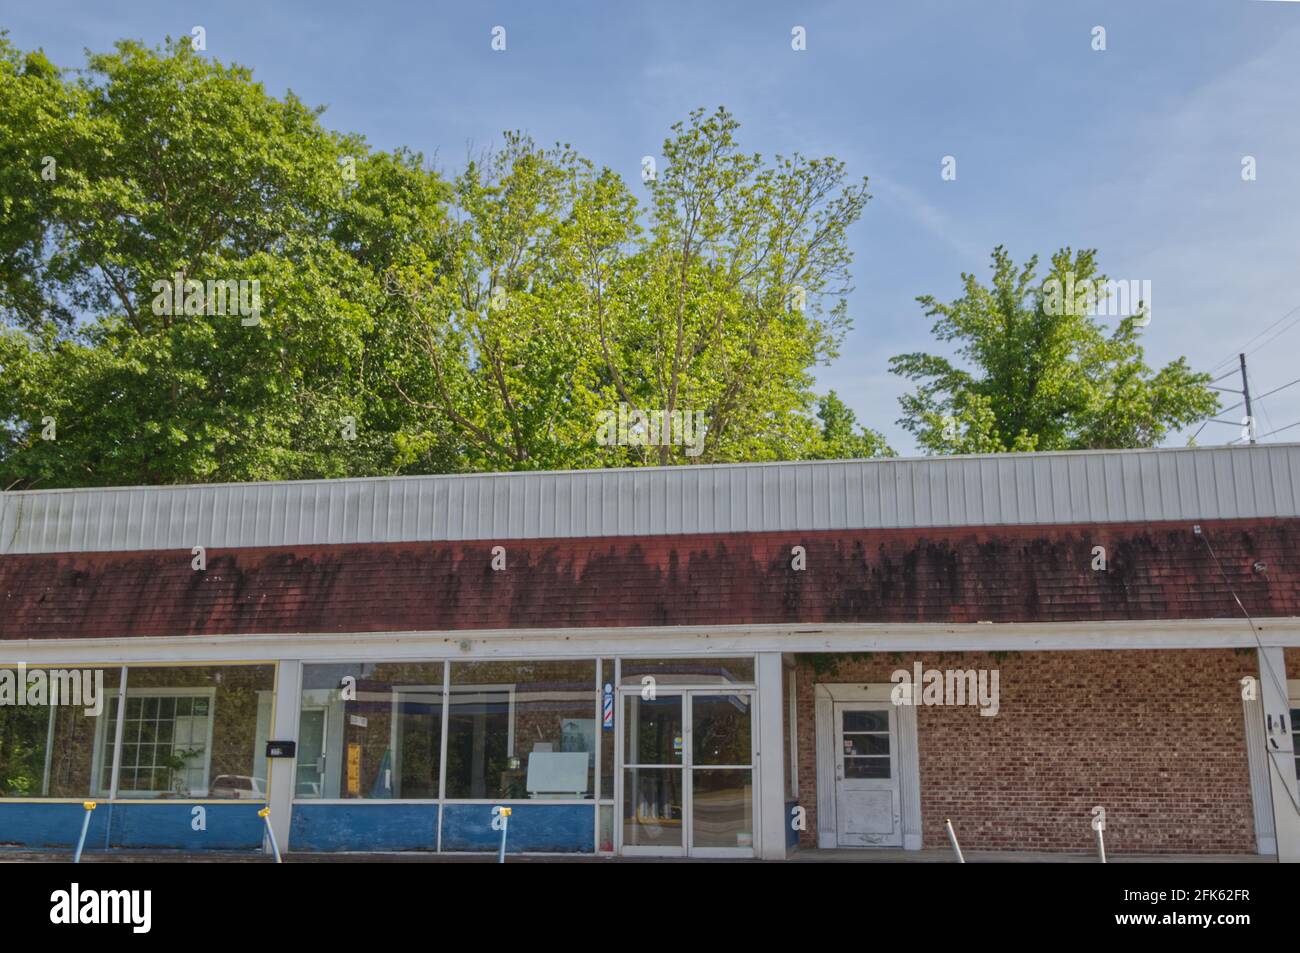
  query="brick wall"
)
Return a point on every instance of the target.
[
  {"x": 1156, "y": 737},
  {"x": 998, "y": 574}
]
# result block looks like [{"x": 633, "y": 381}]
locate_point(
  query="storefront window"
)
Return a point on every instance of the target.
[
  {"x": 49, "y": 721},
  {"x": 689, "y": 671},
  {"x": 522, "y": 730},
  {"x": 189, "y": 732},
  {"x": 370, "y": 730}
]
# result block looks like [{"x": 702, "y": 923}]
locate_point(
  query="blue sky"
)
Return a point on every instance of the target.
[{"x": 1135, "y": 151}]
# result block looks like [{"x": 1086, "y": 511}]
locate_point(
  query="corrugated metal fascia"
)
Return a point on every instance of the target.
[{"x": 1004, "y": 489}]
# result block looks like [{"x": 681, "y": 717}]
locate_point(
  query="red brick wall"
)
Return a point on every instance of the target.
[
  {"x": 998, "y": 574},
  {"x": 1156, "y": 737}
]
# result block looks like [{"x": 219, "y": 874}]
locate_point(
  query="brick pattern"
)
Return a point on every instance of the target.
[
  {"x": 1000, "y": 574},
  {"x": 1156, "y": 737}
]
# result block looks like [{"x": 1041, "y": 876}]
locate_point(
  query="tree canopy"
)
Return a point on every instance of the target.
[
  {"x": 1036, "y": 370},
  {"x": 407, "y": 321}
]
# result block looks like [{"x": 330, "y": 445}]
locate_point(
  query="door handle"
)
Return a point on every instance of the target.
[{"x": 839, "y": 772}]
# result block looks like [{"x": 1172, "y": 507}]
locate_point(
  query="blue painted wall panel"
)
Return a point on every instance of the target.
[
  {"x": 53, "y": 826},
  {"x": 557, "y": 828},
  {"x": 170, "y": 826},
  {"x": 386, "y": 826},
  {"x": 791, "y": 835}
]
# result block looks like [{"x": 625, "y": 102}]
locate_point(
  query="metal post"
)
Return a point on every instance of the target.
[
  {"x": 1245, "y": 392},
  {"x": 265, "y": 815},
  {"x": 503, "y": 815},
  {"x": 85, "y": 827},
  {"x": 952, "y": 839},
  {"x": 1101, "y": 844}
]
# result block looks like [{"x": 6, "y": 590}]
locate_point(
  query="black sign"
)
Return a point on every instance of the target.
[{"x": 281, "y": 749}]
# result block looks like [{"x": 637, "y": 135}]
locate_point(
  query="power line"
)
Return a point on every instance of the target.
[
  {"x": 1275, "y": 336},
  {"x": 1276, "y": 389},
  {"x": 1256, "y": 400},
  {"x": 1280, "y": 429},
  {"x": 1251, "y": 341},
  {"x": 1279, "y": 682}
]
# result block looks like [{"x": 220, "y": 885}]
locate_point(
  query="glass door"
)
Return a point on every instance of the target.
[
  {"x": 688, "y": 773},
  {"x": 654, "y": 733},
  {"x": 721, "y": 727}
]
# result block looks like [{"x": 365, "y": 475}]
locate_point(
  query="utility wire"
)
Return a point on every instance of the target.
[
  {"x": 1235, "y": 423},
  {"x": 1242, "y": 349},
  {"x": 1280, "y": 429},
  {"x": 1279, "y": 685},
  {"x": 1276, "y": 389}
]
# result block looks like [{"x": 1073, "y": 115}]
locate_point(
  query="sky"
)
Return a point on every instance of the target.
[{"x": 1135, "y": 150}]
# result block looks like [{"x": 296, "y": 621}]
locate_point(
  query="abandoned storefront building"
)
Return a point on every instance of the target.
[{"x": 740, "y": 660}]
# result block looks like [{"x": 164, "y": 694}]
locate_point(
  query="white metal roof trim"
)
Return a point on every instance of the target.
[{"x": 1047, "y": 488}]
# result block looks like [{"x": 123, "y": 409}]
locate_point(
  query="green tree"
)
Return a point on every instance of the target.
[
  {"x": 1034, "y": 370},
  {"x": 169, "y": 166},
  {"x": 841, "y": 438},
  {"x": 567, "y": 299},
  {"x": 405, "y": 323}
]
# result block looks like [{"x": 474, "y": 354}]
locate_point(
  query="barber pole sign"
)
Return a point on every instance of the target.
[{"x": 608, "y": 708}]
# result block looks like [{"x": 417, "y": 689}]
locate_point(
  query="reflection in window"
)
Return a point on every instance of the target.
[
  {"x": 1295, "y": 740},
  {"x": 47, "y": 743},
  {"x": 190, "y": 732},
  {"x": 370, "y": 730},
  {"x": 866, "y": 744},
  {"x": 522, "y": 729},
  {"x": 689, "y": 671}
]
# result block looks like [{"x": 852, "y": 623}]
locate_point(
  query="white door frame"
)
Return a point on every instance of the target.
[
  {"x": 826, "y": 695},
  {"x": 687, "y": 693}
]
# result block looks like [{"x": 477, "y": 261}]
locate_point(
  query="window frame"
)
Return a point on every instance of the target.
[{"x": 97, "y": 761}]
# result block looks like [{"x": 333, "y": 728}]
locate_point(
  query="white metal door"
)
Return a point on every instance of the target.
[{"x": 868, "y": 804}]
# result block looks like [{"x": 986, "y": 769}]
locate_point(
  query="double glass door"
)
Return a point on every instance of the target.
[{"x": 688, "y": 773}]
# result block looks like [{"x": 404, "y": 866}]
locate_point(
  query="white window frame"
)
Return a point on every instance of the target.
[{"x": 208, "y": 692}]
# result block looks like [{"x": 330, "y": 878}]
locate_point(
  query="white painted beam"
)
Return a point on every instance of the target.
[
  {"x": 664, "y": 641},
  {"x": 770, "y": 783},
  {"x": 284, "y": 727}
]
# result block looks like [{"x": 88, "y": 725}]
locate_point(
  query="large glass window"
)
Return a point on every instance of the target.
[
  {"x": 49, "y": 721},
  {"x": 189, "y": 732},
  {"x": 370, "y": 730},
  {"x": 689, "y": 671},
  {"x": 522, "y": 729}
]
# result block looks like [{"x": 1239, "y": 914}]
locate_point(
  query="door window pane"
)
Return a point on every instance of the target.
[
  {"x": 721, "y": 730},
  {"x": 865, "y": 743},
  {"x": 1295, "y": 739},
  {"x": 866, "y": 721},
  {"x": 652, "y": 807},
  {"x": 866, "y": 767},
  {"x": 652, "y": 730},
  {"x": 722, "y": 808}
]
